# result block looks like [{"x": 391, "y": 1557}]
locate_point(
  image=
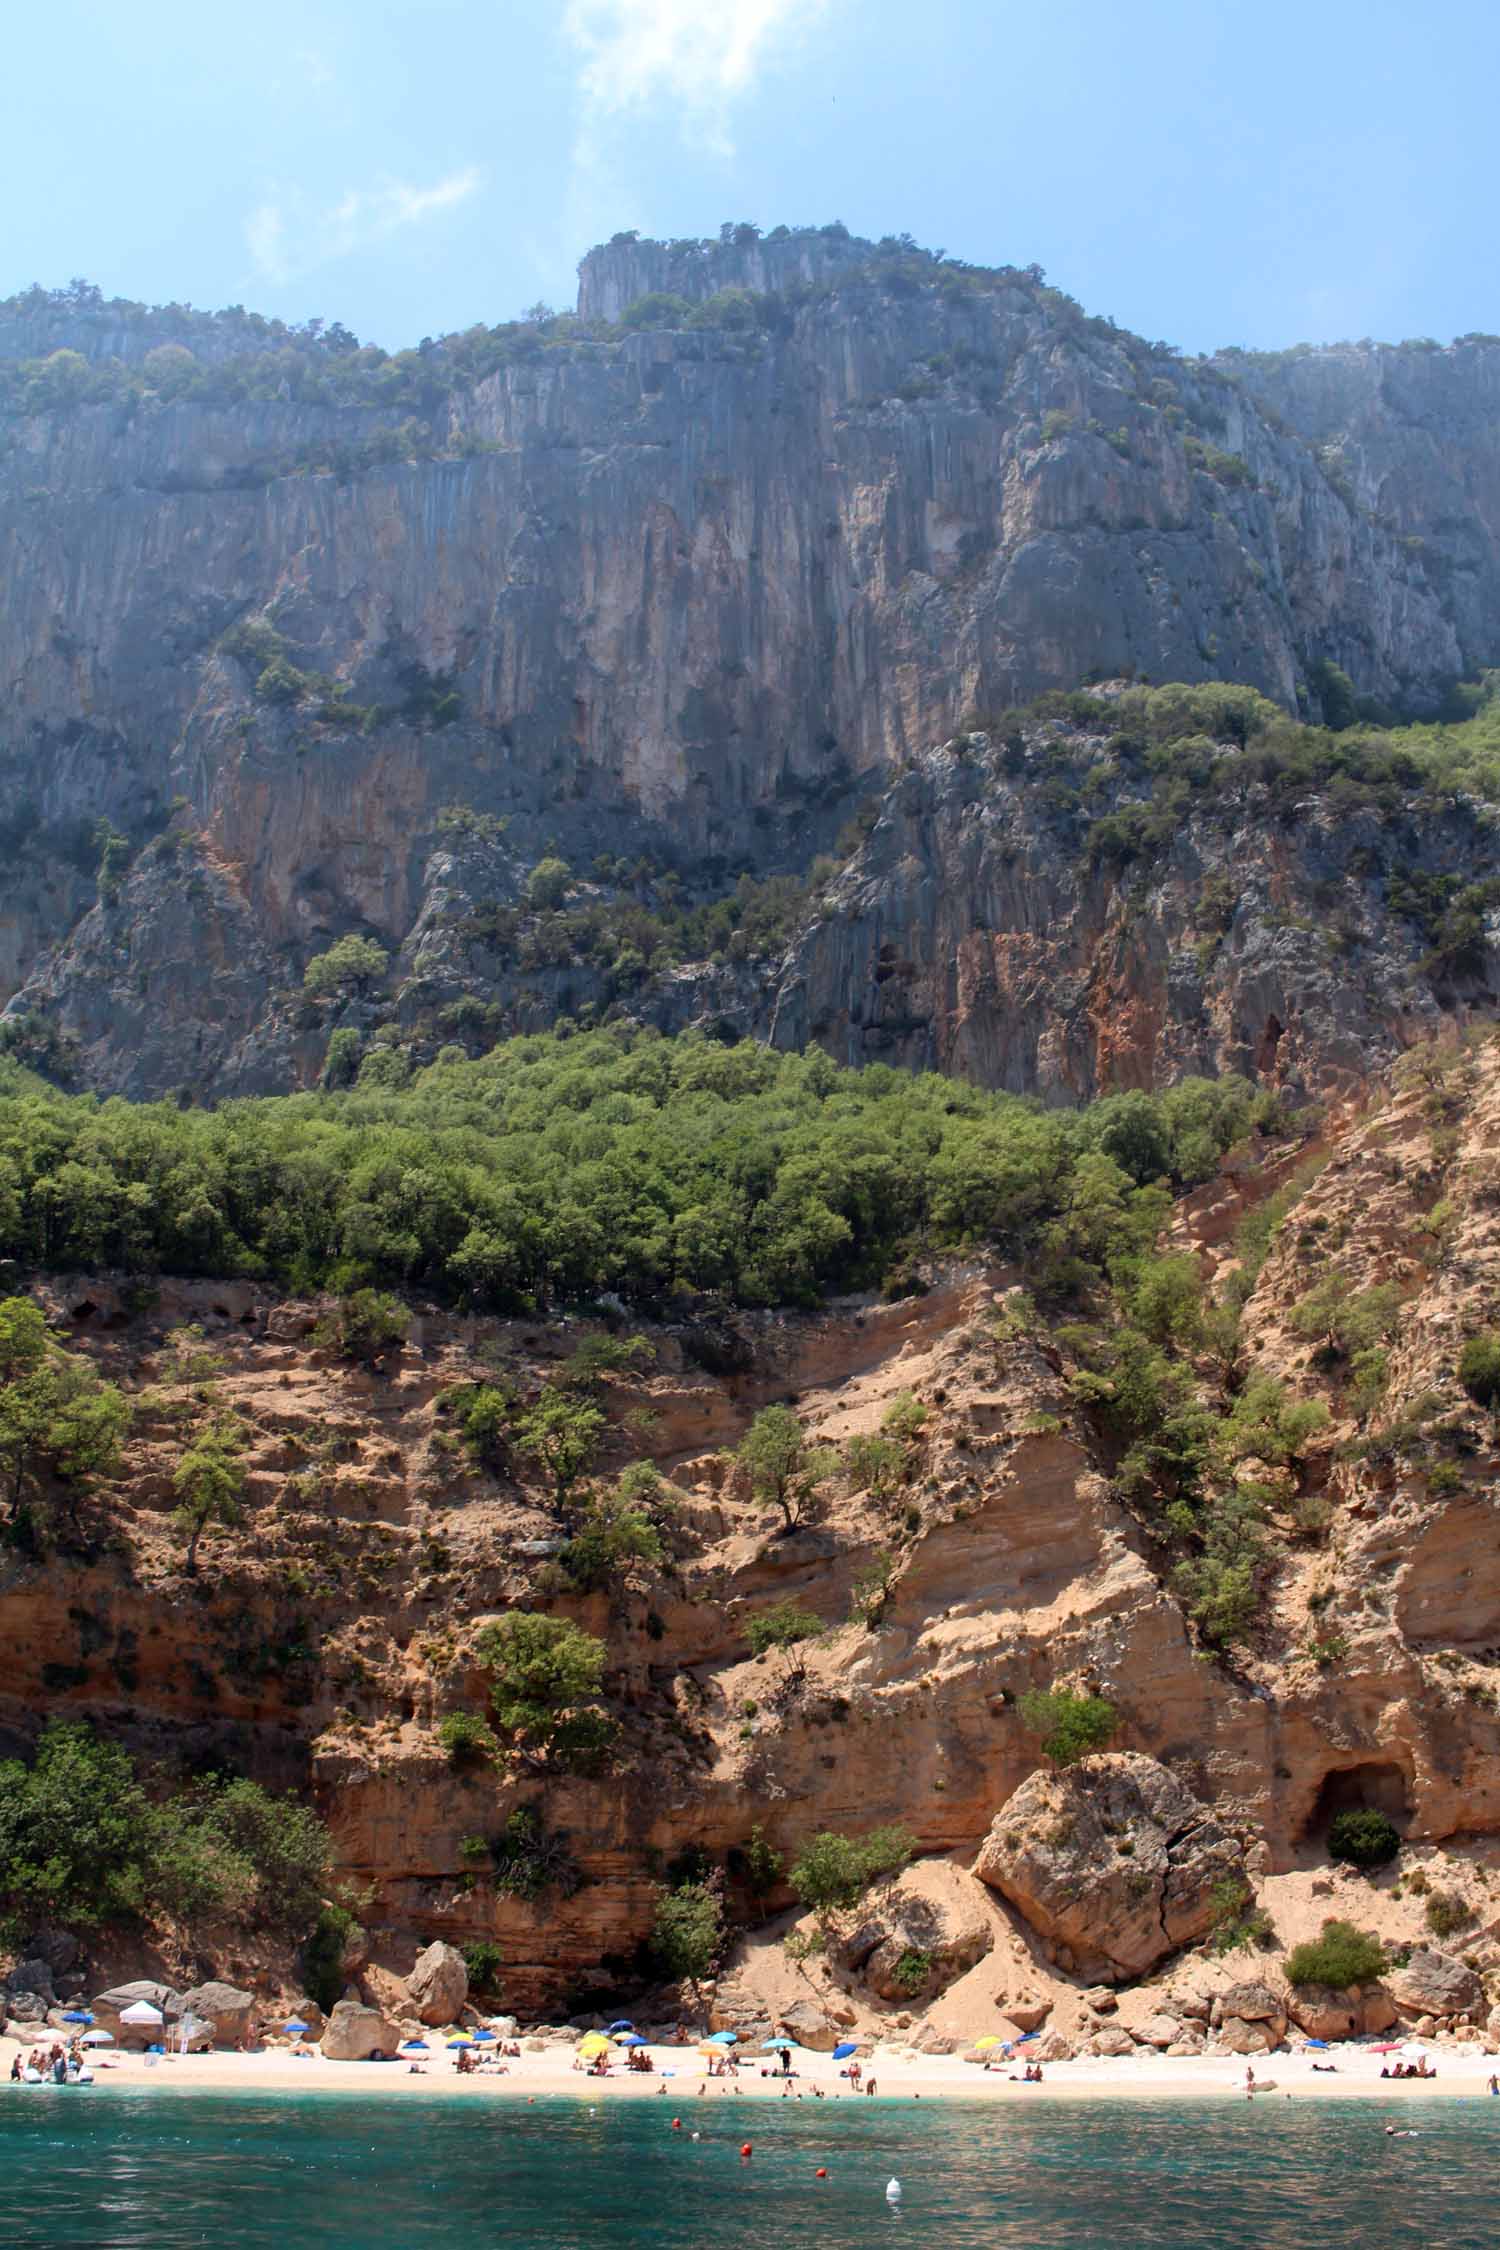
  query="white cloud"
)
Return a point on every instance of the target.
[
  {"x": 287, "y": 234},
  {"x": 697, "y": 55}
]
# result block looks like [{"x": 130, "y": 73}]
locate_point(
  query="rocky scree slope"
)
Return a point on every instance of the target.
[
  {"x": 683, "y": 576},
  {"x": 1017, "y": 1543}
]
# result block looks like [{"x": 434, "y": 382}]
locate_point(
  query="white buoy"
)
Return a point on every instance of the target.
[{"x": 893, "y": 2191}]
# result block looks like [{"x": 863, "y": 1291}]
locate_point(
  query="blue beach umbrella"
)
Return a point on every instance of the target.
[
  {"x": 774, "y": 2046},
  {"x": 77, "y": 2015},
  {"x": 722, "y": 2039},
  {"x": 460, "y": 2042},
  {"x": 1316, "y": 2042},
  {"x": 845, "y": 2047},
  {"x": 414, "y": 2047},
  {"x": 622, "y": 2024},
  {"x": 484, "y": 2038},
  {"x": 634, "y": 2040},
  {"x": 296, "y": 2025},
  {"x": 1027, "y": 2035}
]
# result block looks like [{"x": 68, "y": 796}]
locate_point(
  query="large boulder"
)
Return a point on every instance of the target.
[
  {"x": 807, "y": 2023},
  {"x": 354, "y": 2033},
  {"x": 439, "y": 1984},
  {"x": 1434, "y": 1984},
  {"x": 108, "y": 2008},
  {"x": 1112, "y": 2039},
  {"x": 1325, "y": 2011},
  {"x": 1113, "y": 1858},
  {"x": 1160, "y": 2032},
  {"x": 33, "y": 1976},
  {"x": 26, "y": 2007},
  {"x": 1253, "y": 2002},
  {"x": 224, "y": 2008},
  {"x": 1238, "y": 2038},
  {"x": 913, "y": 1936}
]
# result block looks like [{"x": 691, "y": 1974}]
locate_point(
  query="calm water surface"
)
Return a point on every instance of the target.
[{"x": 318, "y": 2171}]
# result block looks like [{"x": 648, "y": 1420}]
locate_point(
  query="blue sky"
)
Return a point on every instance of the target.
[{"x": 1211, "y": 174}]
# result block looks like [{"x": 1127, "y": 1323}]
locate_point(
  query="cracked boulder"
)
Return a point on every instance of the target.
[
  {"x": 1113, "y": 1858},
  {"x": 918, "y": 1932}
]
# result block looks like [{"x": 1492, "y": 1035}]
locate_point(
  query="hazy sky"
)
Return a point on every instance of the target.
[{"x": 1214, "y": 173}]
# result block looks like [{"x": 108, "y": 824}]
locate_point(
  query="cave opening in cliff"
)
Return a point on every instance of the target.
[{"x": 1375, "y": 1788}]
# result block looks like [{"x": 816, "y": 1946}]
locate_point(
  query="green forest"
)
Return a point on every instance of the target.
[{"x": 557, "y": 1169}]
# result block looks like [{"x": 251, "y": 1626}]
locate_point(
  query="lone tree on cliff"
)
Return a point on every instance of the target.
[
  {"x": 783, "y": 1468},
  {"x": 349, "y": 968}
]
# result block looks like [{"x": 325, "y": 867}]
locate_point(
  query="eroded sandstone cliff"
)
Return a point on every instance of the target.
[{"x": 326, "y": 1639}]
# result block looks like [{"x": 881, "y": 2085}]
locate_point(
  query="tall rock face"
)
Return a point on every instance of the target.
[{"x": 688, "y": 582}]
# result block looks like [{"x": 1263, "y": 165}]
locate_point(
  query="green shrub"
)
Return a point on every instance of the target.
[
  {"x": 562, "y": 1433},
  {"x": 367, "y": 1326},
  {"x": 351, "y": 965},
  {"x": 530, "y": 1860},
  {"x": 1342, "y": 1956},
  {"x": 548, "y": 884},
  {"x": 687, "y": 1930},
  {"x": 1363, "y": 1838},
  {"x": 82, "y": 1843},
  {"x": 1446, "y": 1913},
  {"x": 905, "y": 1418},
  {"x": 782, "y": 1627},
  {"x": 546, "y": 1674},
  {"x": 1237, "y": 1920},
  {"x": 784, "y": 1470},
  {"x": 835, "y": 1871},
  {"x": 1479, "y": 1368},
  {"x": 610, "y": 1536},
  {"x": 484, "y": 1960},
  {"x": 323, "y": 1954},
  {"x": 912, "y": 1970},
  {"x": 1070, "y": 1726},
  {"x": 209, "y": 1482},
  {"x": 466, "y": 1739},
  {"x": 876, "y": 1465},
  {"x": 61, "y": 1428}
]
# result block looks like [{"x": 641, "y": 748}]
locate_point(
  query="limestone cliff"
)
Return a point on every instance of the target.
[{"x": 686, "y": 583}]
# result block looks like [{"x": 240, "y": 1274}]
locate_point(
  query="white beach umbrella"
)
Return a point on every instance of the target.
[
  {"x": 141, "y": 2012},
  {"x": 98, "y": 2039}
]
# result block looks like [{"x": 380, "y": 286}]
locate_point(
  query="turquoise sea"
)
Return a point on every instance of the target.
[{"x": 318, "y": 2171}]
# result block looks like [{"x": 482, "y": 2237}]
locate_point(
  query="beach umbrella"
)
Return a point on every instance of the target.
[
  {"x": 295, "y": 2027},
  {"x": 484, "y": 2038},
  {"x": 460, "y": 2041},
  {"x": 774, "y": 2046},
  {"x": 98, "y": 2039},
  {"x": 1387, "y": 2047},
  {"x": 845, "y": 2047},
  {"x": 141, "y": 2012},
  {"x": 1027, "y": 2035},
  {"x": 1315, "y": 2042},
  {"x": 414, "y": 2047},
  {"x": 723, "y": 2038},
  {"x": 77, "y": 2015},
  {"x": 623, "y": 2023},
  {"x": 990, "y": 2039},
  {"x": 631, "y": 2039},
  {"x": 594, "y": 2043}
]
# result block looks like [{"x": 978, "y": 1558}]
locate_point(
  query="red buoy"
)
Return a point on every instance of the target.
[
  {"x": 745, "y": 2149},
  {"x": 677, "y": 2124},
  {"x": 822, "y": 2172}
]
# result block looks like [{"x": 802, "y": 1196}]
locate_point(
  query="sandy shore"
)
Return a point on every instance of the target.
[{"x": 681, "y": 2075}]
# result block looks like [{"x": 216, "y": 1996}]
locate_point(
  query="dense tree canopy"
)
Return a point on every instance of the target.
[{"x": 557, "y": 1168}]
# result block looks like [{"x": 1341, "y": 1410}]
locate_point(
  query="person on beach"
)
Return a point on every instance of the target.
[
  {"x": 15, "y": 2069},
  {"x": 871, "y": 2087}
]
